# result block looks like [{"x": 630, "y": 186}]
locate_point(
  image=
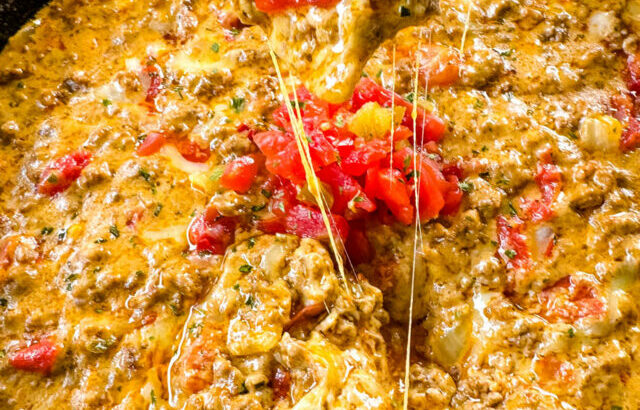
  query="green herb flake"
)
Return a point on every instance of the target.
[
  {"x": 251, "y": 242},
  {"x": 237, "y": 103},
  {"x": 571, "y": 332},
  {"x": 215, "y": 47},
  {"x": 510, "y": 253},
  {"x": 266, "y": 194},
  {"x": 114, "y": 231},
  {"x": 236, "y": 286},
  {"x": 245, "y": 268},
  {"x": 100, "y": 240},
  {"x": 512, "y": 209},
  {"x": 250, "y": 301},
  {"x": 106, "y": 102},
  {"x": 144, "y": 174},
  {"x": 404, "y": 11},
  {"x": 339, "y": 121},
  {"x": 466, "y": 186},
  {"x": 410, "y": 97},
  {"x": 52, "y": 179},
  {"x": 216, "y": 174},
  {"x": 153, "y": 397},
  {"x": 158, "y": 209},
  {"x": 46, "y": 230}
]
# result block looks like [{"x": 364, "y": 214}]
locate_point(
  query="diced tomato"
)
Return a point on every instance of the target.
[
  {"x": 239, "y": 174},
  {"x": 571, "y": 299},
  {"x": 389, "y": 185},
  {"x": 631, "y": 137},
  {"x": 39, "y": 357},
  {"x": 307, "y": 222},
  {"x": 512, "y": 243},
  {"x": 345, "y": 191},
  {"x": 431, "y": 185},
  {"x": 60, "y": 174},
  {"x": 307, "y": 312},
  {"x": 358, "y": 161},
  {"x": 212, "y": 232},
  {"x": 549, "y": 182},
  {"x": 358, "y": 246},
  {"x": 281, "y": 384},
  {"x": 153, "y": 77},
  {"x": 428, "y": 126},
  {"x": 633, "y": 75},
  {"x": 151, "y": 144},
  {"x": 321, "y": 151},
  {"x": 192, "y": 151},
  {"x": 551, "y": 370},
  {"x": 283, "y": 156},
  {"x": 275, "y": 6}
]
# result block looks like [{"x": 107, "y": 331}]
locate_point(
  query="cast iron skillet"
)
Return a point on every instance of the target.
[{"x": 14, "y": 13}]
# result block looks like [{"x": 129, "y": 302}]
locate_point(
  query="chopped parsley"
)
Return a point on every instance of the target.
[
  {"x": 571, "y": 332},
  {"x": 153, "y": 397},
  {"x": 466, "y": 186},
  {"x": 46, "y": 230},
  {"x": 410, "y": 97},
  {"x": 257, "y": 208},
  {"x": 113, "y": 230},
  {"x": 237, "y": 103},
  {"x": 250, "y": 301},
  {"x": 266, "y": 194},
  {"x": 512, "y": 209},
  {"x": 216, "y": 174},
  {"x": 158, "y": 209},
  {"x": 215, "y": 47},
  {"x": 144, "y": 174},
  {"x": 252, "y": 242},
  {"x": 245, "y": 268},
  {"x": 510, "y": 253},
  {"x": 106, "y": 102}
]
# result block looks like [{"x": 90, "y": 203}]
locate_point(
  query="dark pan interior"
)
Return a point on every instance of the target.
[{"x": 14, "y": 13}]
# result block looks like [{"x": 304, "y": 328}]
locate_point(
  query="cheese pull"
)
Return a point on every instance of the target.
[{"x": 327, "y": 43}]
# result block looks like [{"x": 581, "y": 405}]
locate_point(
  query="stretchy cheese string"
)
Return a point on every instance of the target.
[
  {"x": 414, "y": 116},
  {"x": 176, "y": 355},
  {"x": 466, "y": 27},
  {"x": 312, "y": 179},
  {"x": 393, "y": 102},
  {"x": 320, "y": 198}
]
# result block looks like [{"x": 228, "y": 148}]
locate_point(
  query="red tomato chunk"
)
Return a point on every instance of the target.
[
  {"x": 512, "y": 243},
  {"x": 212, "y": 232},
  {"x": 39, "y": 357},
  {"x": 571, "y": 299},
  {"x": 239, "y": 174},
  {"x": 61, "y": 173}
]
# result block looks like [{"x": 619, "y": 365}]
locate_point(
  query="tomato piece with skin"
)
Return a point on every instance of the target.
[
  {"x": 212, "y": 232},
  {"x": 61, "y": 173},
  {"x": 307, "y": 222},
  {"x": 549, "y": 181},
  {"x": 388, "y": 184},
  {"x": 151, "y": 144},
  {"x": 571, "y": 299},
  {"x": 358, "y": 161},
  {"x": 192, "y": 151},
  {"x": 39, "y": 357},
  {"x": 345, "y": 190},
  {"x": 633, "y": 73},
  {"x": 512, "y": 243},
  {"x": 431, "y": 185},
  {"x": 282, "y": 155},
  {"x": 439, "y": 65},
  {"x": 152, "y": 76},
  {"x": 239, "y": 174},
  {"x": 275, "y": 6}
]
